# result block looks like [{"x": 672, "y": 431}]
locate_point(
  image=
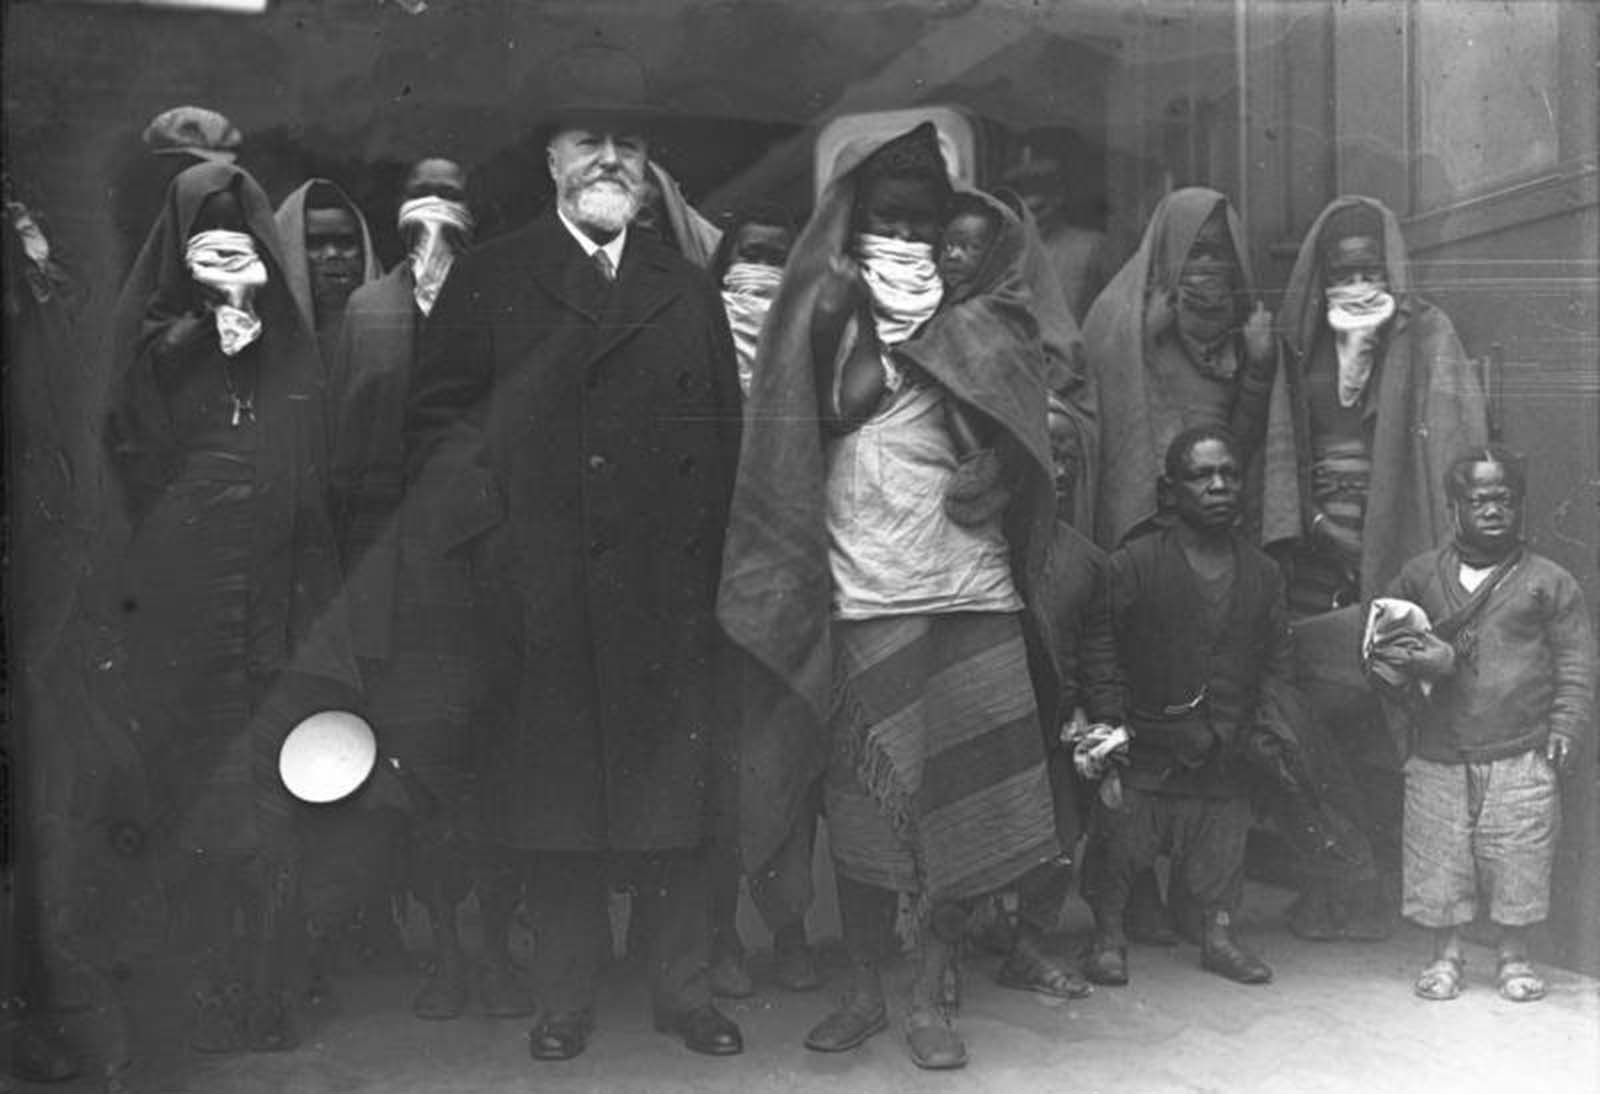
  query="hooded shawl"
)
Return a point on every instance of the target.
[
  {"x": 291, "y": 221},
  {"x": 1423, "y": 406},
  {"x": 695, "y": 237},
  {"x": 775, "y": 599},
  {"x": 1067, "y": 372},
  {"x": 1135, "y": 422},
  {"x": 291, "y": 446}
]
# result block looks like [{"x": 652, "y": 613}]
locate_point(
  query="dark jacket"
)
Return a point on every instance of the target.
[
  {"x": 1171, "y": 659},
  {"x": 1533, "y": 672},
  {"x": 577, "y": 441}
]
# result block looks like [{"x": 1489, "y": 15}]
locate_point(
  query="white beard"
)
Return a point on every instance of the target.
[{"x": 606, "y": 207}]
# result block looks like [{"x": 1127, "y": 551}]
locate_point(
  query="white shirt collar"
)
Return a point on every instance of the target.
[{"x": 612, "y": 249}]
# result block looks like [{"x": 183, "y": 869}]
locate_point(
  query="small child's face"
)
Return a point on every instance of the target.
[
  {"x": 966, "y": 241},
  {"x": 1064, "y": 456},
  {"x": 763, "y": 244}
]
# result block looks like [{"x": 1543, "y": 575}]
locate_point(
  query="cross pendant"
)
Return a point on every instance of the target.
[{"x": 242, "y": 409}]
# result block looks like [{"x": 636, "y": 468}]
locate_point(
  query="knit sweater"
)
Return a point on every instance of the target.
[{"x": 1532, "y": 673}]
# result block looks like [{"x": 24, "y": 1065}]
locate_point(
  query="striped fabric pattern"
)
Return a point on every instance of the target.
[{"x": 937, "y": 782}]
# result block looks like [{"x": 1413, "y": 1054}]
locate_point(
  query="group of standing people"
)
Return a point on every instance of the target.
[{"x": 641, "y": 552}]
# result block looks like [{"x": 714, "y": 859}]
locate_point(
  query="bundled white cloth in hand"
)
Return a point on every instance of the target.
[
  {"x": 1400, "y": 648},
  {"x": 1099, "y": 747}
]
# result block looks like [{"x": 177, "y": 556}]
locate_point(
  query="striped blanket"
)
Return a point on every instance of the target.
[{"x": 936, "y": 783}]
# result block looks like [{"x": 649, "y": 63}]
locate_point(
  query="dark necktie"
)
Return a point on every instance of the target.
[{"x": 602, "y": 262}]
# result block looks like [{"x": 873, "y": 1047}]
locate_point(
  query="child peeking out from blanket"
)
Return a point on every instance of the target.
[
  {"x": 863, "y": 367},
  {"x": 976, "y": 493},
  {"x": 1506, "y": 713}
]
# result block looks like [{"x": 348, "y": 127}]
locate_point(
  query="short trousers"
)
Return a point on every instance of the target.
[{"x": 1480, "y": 828}]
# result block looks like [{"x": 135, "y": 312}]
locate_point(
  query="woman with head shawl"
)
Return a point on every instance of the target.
[
  {"x": 215, "y": 426},
  {"x": 1172, "y": 344},
  {"x": 888, "y": 641},
  {"x": 1381, "y": 399}
]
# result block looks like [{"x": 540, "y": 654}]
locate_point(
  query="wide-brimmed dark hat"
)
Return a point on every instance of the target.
[{"x": 597, "y": 86}]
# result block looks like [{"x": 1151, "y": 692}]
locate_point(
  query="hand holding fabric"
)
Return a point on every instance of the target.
[
  {"x": 842, "y": 287},
  {"x": 1258, "y": 336},
  {"x": 1558, "y": 750},
  {"x": 1099, "y": 748}
]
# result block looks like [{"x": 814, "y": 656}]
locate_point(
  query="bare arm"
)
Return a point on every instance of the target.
[{"x": 844, "y": 349}]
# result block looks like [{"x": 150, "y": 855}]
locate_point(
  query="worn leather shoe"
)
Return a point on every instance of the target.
[
  {"x": 703, "y": 1029},
  {"x": 1227, "y": 958},
  {"x": 933, "y": 1042},
  {"x": 1107, "y": 964},
  {"x": 1029, "y": 968},
  {"x": 858, "y": 1017},
  {"x": 560, "y": 1036}
]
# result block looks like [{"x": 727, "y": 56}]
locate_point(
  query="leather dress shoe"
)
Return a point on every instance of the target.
[
  {"x": 560, "y": 1036},
  {"x": 1227, "y": 958},
  {"x": 703, "y": 1029},
  {"x": 858, "y": 1017},
  {"x": 1107, "y": 964}
]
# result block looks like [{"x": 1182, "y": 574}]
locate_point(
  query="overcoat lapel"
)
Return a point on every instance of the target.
[{"x": 644, "y": 286}]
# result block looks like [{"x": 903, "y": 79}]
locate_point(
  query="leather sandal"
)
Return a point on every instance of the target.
[
  {"x": 1518, "y": 982},
  {"x": 1440, "y": 981},
  {"x": 1028, "y": 968}
]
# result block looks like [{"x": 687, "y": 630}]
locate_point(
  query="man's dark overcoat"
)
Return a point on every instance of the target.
[{"x": 582, "y": 438}]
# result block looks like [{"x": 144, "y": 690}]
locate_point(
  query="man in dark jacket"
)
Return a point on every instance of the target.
[
  {"x": 1201, "y": 631},
  {"x": 578, "y": 409}
]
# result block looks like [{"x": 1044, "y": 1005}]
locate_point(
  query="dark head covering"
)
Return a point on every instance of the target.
[
  {"x": 1136, "y": 420},
  {"x": 777, "y": 587},
  {"x": 290, "y": 444},
  {"x": 911, "y": 155},
  {"x": 1425, "y": 403},
  {"x": 1348, "y": 222}
]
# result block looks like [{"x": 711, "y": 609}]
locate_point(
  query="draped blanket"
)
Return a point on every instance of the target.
[
  {"x": 776, "y": 590},
  {"x": 1136, "y": 422},
  {"x": 937, "y": 785},
  {"x": 1424, "y": 406}
]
